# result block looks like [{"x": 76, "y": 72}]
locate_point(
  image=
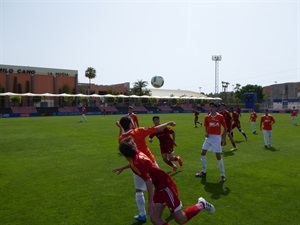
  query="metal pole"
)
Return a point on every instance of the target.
[{"x": 216, "y": 58}]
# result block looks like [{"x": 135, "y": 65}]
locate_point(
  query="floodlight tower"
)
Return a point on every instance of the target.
[{"x": 216, "y": 58}]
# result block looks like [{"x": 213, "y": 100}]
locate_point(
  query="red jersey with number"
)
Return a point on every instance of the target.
[
  {"x": 146, "y": 169},
  {"x": 213, "y": 123},
  {"x": 139, "y": 136},
  {"x": 267, "y": 121}
]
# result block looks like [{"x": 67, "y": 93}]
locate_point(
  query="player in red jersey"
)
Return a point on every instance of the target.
[
  {"x": 139, "y": 136},
  {"x": 196, "y": 118},
  {"x": 167, "y": 142},
  {"x": 165, "y": 190},
  {"x": 253, "y": 117},
  {"x": 236, "y": 123},
  {"x": 294, "y": 113},
  {"x": 83, "y": 114},
  {"x": 133, "y": 117},
  {"x": 228, "y": 120},
  {"x": 266, "y": 123},
  {"x": 213, "y": 139}
]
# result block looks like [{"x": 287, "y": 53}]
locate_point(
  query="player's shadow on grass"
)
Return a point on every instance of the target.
[
  {"x": 173, "y": 173},
  {"x": 137, "y": 223},
  {"x": 272, "y": 149},
  {"x": 168, "y": 219},
  {"x": 216, "y": 189},
  {"x": 228, "y": 153}
]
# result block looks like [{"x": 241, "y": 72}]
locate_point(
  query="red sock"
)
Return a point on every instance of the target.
[
  {"x": 191, "y": 211},
  {"x": 170, "y": 163}
]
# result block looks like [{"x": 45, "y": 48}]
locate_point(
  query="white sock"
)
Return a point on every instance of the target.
[
  {"x": 203, "y": 162},
  {"x": 221, "y": 166},
  {"x": 140, "y": 201}
]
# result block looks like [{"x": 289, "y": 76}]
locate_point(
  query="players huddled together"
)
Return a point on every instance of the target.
[{"x": 160, "y": 186}]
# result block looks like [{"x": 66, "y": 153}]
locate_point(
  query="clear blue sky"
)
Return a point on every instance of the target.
[{"x": 126, "y": 41}]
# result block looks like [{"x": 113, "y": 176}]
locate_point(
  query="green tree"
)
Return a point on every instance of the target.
[
  {"x": 84, "y": 100},
  {"x": 91, "y": 74},
  {"x": 15, "y": 100},
  {"x": 153, "y": 100},
  {"x": 37, "y": 99},
  {"x": 237, "y": 87},
  {"x": 68, "y": 100},
  {"x": 66, "y": 89},
  {"x": 139, "y": 88},
  {"x": 250, "y": 88},
  {"x": 110, "y": 100}
]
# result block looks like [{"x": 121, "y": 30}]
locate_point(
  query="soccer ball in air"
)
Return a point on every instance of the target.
[{"x": 157, "y": 81}]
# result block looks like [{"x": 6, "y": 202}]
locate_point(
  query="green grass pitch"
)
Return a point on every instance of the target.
[{"x": 56, "y": 170}]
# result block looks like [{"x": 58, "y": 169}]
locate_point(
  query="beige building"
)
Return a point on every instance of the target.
[{"x": 282, "y": 96}]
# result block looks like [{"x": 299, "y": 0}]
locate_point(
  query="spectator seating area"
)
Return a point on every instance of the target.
[
  {"x": 49, "y": 111},
  {"x": 165, "y": 108},
  {"x": 187, "y": 108},
  {"x": 109, "y": 110},
  {"x": 68, "y": 109},
  {"x": 151, "y": 108},
  {"x": 23, "y": 110}
]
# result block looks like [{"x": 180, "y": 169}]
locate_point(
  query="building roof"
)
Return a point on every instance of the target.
[{"x": 175, "y": 93}]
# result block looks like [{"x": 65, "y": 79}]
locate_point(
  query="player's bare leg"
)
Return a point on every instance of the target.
[
  {"x": 175, "y": 158},
  {"x": 232, "y": 141},
  {"x": 156, "y": 215},
  {"x": 167, "y": 160}
]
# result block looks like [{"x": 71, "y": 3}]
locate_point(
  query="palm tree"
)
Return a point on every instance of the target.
[
  {"x": 91, "y": 74},
  {"x": 237, "y": 87},
  {"x": 138, "y": 87},
  {"x": 225, "y": 85}
]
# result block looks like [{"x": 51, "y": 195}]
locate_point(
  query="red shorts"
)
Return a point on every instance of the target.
[
  {"x": 228, "y": 127},
  {"x": 166, "y": 150},
  {"x": 169, "y": 197},
  {"x": 236, "y": 125}
]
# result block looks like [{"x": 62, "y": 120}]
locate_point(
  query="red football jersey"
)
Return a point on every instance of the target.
[
  {"x": 134, "y": 119},
  {"x": 253, "y": 116},
  {"x": 235, "y": 117},
  {"x": 227, "y": 117},
  {"x": 146, "y": 169},
  {"x": 83, "y": 110},
  {"x": 165, "y": 140},
  {"x": 213, "y": 123},
  {"x": 294, "y": 112},
  {"x": 267, "y": 122},
  {"x": 139, "y": 135}
]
